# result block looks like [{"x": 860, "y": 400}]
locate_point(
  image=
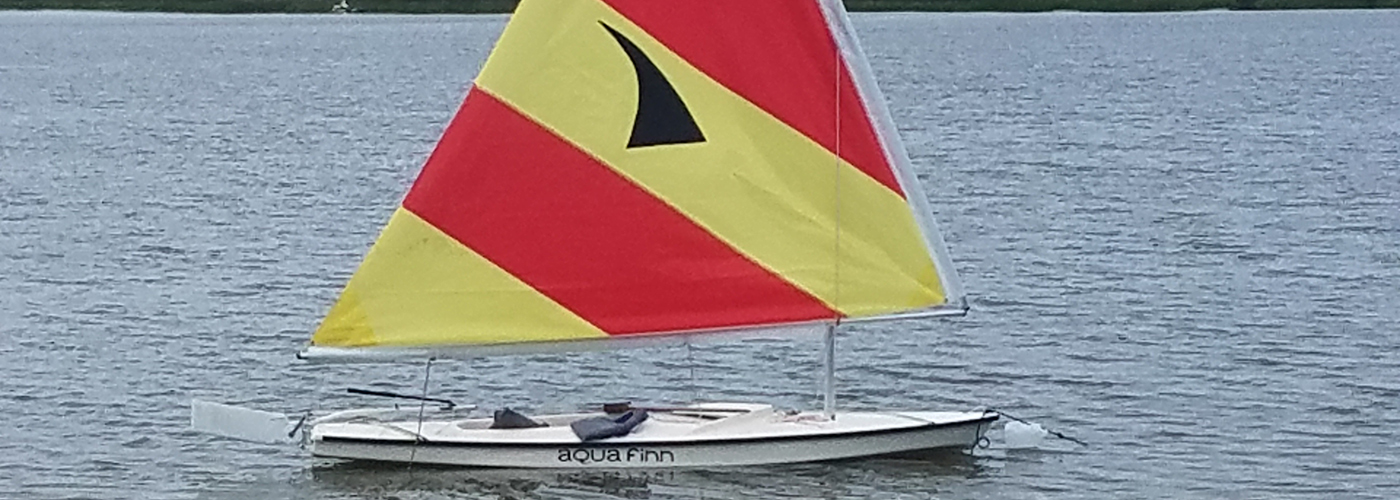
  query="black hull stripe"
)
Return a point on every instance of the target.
[{"x": 670, "y": 444}]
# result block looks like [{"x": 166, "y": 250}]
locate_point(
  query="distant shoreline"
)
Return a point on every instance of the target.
[{"x": 506, "y": 6}]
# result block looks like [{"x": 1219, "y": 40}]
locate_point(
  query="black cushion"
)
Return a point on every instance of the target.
[
  {"x": 593, "y": 428},
  {"x": 506, "y": 418}
]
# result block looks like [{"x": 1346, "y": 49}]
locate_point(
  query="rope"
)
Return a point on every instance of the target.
[
  {"x": 982, "y": 441},
  {"x": 1027, "y": 422},
  {"x": 422, "y": 406},
  {"x": 690, "y": 360}
]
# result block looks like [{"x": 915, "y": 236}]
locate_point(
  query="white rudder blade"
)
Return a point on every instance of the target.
[
  {"x": 1023, "y": 435},
  {"x": 239, "y": 423}
]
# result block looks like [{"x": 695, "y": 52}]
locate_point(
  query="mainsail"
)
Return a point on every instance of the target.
[{"x": 640, "y": 169}]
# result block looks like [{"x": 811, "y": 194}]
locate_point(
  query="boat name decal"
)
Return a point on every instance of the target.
[{"x": 615, "y": 455}]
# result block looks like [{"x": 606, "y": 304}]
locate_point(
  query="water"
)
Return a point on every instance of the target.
[{"x": 1181, "y": 233}]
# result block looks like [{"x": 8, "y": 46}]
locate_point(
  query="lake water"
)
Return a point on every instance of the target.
[{"x": 1181, "y": 233}]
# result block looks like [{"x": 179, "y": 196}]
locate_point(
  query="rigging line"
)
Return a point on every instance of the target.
[
  {"x": 422, "y": 405},
  {"x": 1027, "y": 422},
  {"x": 690, "y": 361}
]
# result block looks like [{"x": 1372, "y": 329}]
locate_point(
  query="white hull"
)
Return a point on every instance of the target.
[{"x": 666, "y": 440}]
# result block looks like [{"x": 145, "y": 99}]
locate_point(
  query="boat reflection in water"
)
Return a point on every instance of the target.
[{"x": 815, "y": 480}]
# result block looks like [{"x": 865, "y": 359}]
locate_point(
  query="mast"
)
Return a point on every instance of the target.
[
  {"x": 829, "y": 340},
  {"x": 829, "y": 377}
]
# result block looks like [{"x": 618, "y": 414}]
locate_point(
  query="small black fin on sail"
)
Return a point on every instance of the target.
[{"x": 662, "y": 117}]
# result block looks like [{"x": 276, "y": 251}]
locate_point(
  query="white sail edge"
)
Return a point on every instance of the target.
[
  {"x": 389, "y": 354},
  {"x": 839, "y": 23}
]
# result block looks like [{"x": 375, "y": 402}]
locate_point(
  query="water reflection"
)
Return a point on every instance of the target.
[{"x": 839, "y": 479}]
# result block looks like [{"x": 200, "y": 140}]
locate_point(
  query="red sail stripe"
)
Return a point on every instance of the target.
[
  {"x": 777, "y": 54},
  {"x": 578, "y": 232}
]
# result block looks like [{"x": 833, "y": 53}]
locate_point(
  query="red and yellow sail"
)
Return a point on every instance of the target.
[{"x": 641, "y": 167}]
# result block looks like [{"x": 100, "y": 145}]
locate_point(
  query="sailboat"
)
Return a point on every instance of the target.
[{"x": 640, "y": 172}]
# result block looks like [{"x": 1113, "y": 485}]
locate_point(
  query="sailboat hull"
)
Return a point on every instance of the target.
[{"x": 753, "y": 438}]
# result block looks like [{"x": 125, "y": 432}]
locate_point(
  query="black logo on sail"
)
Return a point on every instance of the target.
[{"x": 662, "y": 117}]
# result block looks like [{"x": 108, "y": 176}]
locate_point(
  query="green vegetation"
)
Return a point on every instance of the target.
[{"x": 480, "y": 6}]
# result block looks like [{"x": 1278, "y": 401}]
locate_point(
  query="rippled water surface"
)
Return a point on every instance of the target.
[{"x": 1181, "y": 233}]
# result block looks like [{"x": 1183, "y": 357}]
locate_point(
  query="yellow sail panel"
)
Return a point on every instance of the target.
[
  {"x": 418, "y": 287},
  {"x": 757, "y": 184}
]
